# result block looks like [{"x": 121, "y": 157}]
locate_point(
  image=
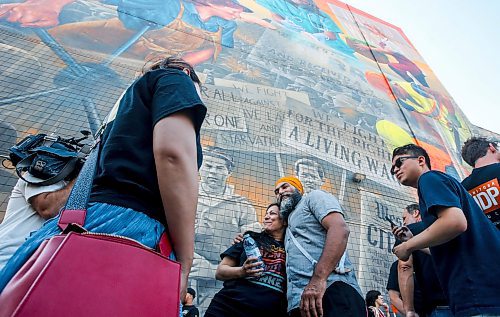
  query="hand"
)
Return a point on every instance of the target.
[
  {"x": 34, "y": 13},
  {"x": 402, "y": 233},
  {"x": 411, "y": 313},
  {"x": 250, "y": 267},
  {"x": 402, "y": 251},
  {"x": 238, "y": 238},
  {"x": 311, "y": 302}
]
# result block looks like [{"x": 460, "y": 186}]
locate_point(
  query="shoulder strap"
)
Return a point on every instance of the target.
[
  {"x": 75, "y": 209},
  {"x": 299, "y": 246},
  {"x": 340, "y": 268}
]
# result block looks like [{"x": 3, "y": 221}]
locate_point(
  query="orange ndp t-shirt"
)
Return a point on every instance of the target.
[{"x": 484, "y": 185}]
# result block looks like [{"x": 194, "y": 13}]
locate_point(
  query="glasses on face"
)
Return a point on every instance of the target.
[{"x": 399, "y": 161}]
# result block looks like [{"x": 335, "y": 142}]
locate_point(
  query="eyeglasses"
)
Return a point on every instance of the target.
[{"x": 399, "y": 161}]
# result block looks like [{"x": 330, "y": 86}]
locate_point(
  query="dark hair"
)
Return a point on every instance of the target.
[
  {"x": 371, "y": 297},
  {"x": 273, "y": 204},
  {"x": 171, "y": 62},
  {"x": 412, "y": 208},
  {"x": 263, "y": 239},
  {"x": 475, "y": 148},
  {"x": 309, "y": 162},
  {"x": 413, "y": 150}
]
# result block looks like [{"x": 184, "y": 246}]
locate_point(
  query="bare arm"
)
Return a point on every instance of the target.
[
  {"x": 406, "y": 283},
  {"x": 396, "y": 300},
  {"x": 451, "y": 222},
  {"x": 48, "y": 205},
  {"x": 337, "y": 234},
  {"x": 174, "y": 147},
  {"x": 228, "y": 269}
]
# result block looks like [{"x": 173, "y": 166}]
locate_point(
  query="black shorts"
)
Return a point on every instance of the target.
[{"x": 340, "y": 300}]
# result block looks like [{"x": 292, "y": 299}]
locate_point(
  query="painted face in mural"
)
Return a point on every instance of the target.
[
  {"x": 407, "y": 169},
  {"x": 273, "y": 220},
  {"x": 310, "y": 177},
  {"x": 214, "y": 173}
]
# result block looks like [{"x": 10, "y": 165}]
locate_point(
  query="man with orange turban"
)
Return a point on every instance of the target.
[{"x": 321, "y": 280}]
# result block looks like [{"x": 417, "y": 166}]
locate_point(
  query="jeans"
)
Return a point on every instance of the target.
[{"x": 441, "y": 312}]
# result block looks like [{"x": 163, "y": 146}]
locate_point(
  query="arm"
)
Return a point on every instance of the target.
[
  {"x": 174, "y": 147},
  {"x": 451, "y": 222},
  {"x": 395, "y": 297},
  {"x": 406, "y": 284},
  {"x": 337, "y": 234},
  {"x": 228, "y": 269},
  {"x": 48, "y": 204}
]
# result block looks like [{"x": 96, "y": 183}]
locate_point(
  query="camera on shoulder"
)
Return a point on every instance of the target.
[{"x": 48, "y": 157}]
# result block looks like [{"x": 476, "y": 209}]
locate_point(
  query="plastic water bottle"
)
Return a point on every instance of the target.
[{"x": 252, "y": 250}]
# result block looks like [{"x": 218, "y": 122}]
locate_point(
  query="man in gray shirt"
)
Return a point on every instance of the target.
[{"x": 321, "y": 280}]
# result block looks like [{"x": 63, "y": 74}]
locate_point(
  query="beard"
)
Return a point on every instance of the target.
[{"x": 288, "y": 204}]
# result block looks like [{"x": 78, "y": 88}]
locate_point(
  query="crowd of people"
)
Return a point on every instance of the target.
[{"x": 146, "y": 183}]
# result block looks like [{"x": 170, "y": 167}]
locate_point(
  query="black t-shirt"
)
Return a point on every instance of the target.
[
  {"x": 262, "y": 296},
  {"x": 431, "y": 292},
  {"x": 483, "y": 185},
  {"x": 393, "y": 284},
  {"x": 126, "y": 173},
  {"x": 428, "y": 293},
  {"x": 190, "y": 311}
]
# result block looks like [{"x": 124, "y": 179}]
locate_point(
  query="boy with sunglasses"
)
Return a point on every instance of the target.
[{"x": 464, "y": 244}]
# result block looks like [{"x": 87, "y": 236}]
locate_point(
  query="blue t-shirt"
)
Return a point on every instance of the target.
[
  {"x": 126, "y": 172},
  {"x": 468, "y": 266}
]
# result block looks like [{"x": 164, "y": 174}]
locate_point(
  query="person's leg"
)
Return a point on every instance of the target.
[{"x": 341, "y": 299}]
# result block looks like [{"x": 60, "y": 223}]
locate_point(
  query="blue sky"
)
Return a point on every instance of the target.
[{"x": 460, "y": 41}]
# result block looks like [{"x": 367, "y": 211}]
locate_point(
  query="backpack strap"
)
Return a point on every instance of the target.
[{"x": 75, "y": 210}]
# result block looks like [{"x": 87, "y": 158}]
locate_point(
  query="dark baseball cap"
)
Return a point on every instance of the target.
[{"x": 191, "y": 291}]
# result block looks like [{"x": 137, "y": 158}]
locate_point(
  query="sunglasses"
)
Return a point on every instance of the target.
[{"x": 399, "y": 161}]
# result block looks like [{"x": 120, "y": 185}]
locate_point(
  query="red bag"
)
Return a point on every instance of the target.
[{"x": 92, "y": 274}]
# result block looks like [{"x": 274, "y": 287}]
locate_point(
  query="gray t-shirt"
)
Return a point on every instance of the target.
[{"x": 305, "y": 224}]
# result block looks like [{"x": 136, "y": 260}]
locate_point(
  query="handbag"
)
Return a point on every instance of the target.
[{"x": 80, "y": 273}]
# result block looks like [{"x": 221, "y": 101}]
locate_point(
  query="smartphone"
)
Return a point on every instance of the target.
[{"x": 391, "y": 222}]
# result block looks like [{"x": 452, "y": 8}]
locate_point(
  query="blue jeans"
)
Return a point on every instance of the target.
[
  {"x": 441, "y": 312},
  {"x": 102, "y": 218}
]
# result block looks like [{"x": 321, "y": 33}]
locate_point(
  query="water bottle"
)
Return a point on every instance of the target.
[{"x": 251, "y": 249}]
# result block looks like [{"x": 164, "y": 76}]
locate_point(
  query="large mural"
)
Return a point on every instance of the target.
[{"x": 314, "y": 88}]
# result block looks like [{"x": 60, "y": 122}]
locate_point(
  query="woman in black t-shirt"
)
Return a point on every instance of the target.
[{"x": 249, "y": 291}]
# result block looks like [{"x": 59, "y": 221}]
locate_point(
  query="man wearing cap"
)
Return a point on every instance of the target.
[
  {"x": 321, "y": 280},
  {"x": 188, "y": 309}
]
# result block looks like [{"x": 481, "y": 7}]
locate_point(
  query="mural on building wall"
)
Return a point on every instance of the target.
[{"x": 312, "y": 88}]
